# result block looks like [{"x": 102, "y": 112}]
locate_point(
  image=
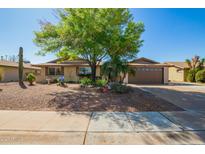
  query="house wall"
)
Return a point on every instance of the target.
[
  {"x": 1, "y": 74},
  {"x": 186, "y": 71},
  {"x": 176, "y": 74},
  {"x": 166, "y": 75},
  {"x": 42, "y": 76},
  {"x": 11, "y": 73},
  {"x": 70, "y": 73}
]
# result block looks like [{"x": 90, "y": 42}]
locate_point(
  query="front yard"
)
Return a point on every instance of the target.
[{"x": 73, "y": 98}]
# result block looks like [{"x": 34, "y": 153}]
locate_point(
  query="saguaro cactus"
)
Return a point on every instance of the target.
[{"x": 20, "y": 66}]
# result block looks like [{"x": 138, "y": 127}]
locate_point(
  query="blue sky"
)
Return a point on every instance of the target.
[{"x": 170, "y": 34}]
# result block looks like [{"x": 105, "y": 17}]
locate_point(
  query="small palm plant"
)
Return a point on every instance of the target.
[
  {"x": 116, "y": 68},
  {"x": 31, "y": 78},
  {"x": 196, "y": 62}
]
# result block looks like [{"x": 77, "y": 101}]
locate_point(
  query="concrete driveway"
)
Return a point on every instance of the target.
[{"x": 189, "y": 97}]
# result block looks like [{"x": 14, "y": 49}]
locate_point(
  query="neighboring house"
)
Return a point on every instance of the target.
[
  {"x": 147, "y": 71},
  {"x": 178, "y": 72},
  {"x": 9, "y": 70}
]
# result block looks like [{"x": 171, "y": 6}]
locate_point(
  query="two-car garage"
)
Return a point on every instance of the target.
[
  {"x": 147, "y": 76},
  {"x": 147, "y": 71}
]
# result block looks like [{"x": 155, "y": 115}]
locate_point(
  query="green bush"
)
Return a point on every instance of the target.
[
  {"x": 71, "y": 81},
  {"x": 85, "y": 75},
  {"x": 31, "y": 78},
  {"x": 119, "y": 88},
  {"x": 200, "y": 76},
  {"x": 85, "y": 81},
  {"x": 0, "y": 77},
  {"x": 101, "y": 83},
  {"x": 55, "y": 80},
  {"x": 191, "y": 75}
]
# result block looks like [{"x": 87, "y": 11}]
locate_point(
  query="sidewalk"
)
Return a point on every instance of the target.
[{"x": 39, "y": 127}]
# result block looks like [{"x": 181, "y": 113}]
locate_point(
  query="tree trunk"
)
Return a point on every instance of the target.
[
  {"x": 123, "y": 77},
  {"x": 93, "y": 72}
]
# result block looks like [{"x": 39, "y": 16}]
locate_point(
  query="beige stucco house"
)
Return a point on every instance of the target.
[
  {"x": 146, "y": 71},
  {"x": 9, "y": 70},
  {"x": 178, "y": 72}
]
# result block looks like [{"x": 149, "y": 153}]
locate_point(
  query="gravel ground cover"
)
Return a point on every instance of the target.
[{"x": 41, "y": 97}]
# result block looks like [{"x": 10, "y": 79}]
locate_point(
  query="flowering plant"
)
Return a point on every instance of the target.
[{"x": 61, "y": 81}]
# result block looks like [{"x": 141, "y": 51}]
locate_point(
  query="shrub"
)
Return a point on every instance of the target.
[
  {"x": 0, "y": 77},
  {"x": 71, "y": 81},
  {"x": 191, "y": 75},
  {"x": 31, "y": 78},
  {"x": 55, "y": 80},
  {"x": 119, "y": 88},
  {"x": 85, "y": 81},
  {"x": 200, "y": 76},
  {"x": 85, "y": 75},
  {"x": 101, "y": 83},
  {"x": 61, "y": 81}
]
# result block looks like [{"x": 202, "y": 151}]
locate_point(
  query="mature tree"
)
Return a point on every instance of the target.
[
  {"x": 91, "y": 34},
  {"x": 196, "y": 62}
]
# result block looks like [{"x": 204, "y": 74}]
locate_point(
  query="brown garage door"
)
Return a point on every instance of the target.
[{"x": 146, "y": 76}]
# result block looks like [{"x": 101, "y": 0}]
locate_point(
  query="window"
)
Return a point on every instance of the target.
[
  {"x": 55, "y": 71},
  {"x": 85, "y": 70},
  {"x": 51, "y": 71}
]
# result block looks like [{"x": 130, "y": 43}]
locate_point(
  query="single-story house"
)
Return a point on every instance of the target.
[
  {"x": 147, "y": 71},
  {"x": 178, "y": 72},
  {"x": 9, "y": 70}
]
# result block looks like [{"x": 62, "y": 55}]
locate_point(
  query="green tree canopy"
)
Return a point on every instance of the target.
[{"x": 91, "y": 34}]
